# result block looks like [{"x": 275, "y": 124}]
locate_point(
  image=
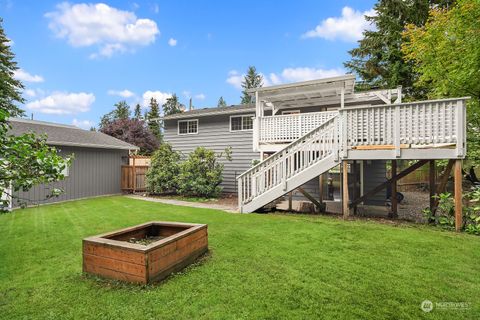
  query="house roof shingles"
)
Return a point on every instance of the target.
[{"x": 67, "y": 135}]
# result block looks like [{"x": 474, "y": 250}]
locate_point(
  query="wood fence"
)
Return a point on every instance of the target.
[{"x": 133, "y": 178}]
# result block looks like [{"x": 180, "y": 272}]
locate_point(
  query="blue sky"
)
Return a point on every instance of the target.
[{"x": 78, "y": 58}]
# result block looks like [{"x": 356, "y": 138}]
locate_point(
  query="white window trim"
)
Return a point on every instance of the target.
[
  {"x": 188, "y": 133},
  {"x": 237, "y": 116},
  {"x": 290, "y": 112}
]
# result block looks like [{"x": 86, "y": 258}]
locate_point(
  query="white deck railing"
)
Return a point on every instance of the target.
[
  {"x": 427, "y": 123},
  {"x": 286, "y": 128}
]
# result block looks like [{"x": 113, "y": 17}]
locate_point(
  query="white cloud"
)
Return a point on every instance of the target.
[
  {"x": 200, "y": 96},
  {"x": 286, "y": 75},
  {"x": 111, "y": 29},
  {"x": 172, "y": 42},
  {"x": 121, "y": 93},
  {"x": 155, "y": 8},
  {"x": 30, "y": 93},
  {"x": 304, "y": 74},
  {"x": 161, "y": 97},
  {"x": 23, "y": 75},
  {"x": 349, "y": 27},
  {"x": 84, "y": 124},
  {"x": 235, "y": 79},
  {"x": 62, "y": 103}
]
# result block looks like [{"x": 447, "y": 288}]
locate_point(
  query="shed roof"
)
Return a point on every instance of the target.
[{"x": 68, "y": 135}]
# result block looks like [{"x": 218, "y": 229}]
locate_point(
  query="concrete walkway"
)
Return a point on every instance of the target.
[{"x": 202, "y": 205}]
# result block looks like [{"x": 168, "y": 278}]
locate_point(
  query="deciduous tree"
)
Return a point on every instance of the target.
[
  {"x": 445, "y": 53},
  {"x": 133, "y": 131}
]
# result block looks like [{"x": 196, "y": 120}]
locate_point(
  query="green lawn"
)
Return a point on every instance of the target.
[{"x": 260, "y": 266}]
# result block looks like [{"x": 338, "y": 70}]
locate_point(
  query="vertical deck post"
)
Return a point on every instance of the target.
[
  {"x": 290, "y": 196},
  {"x": 320, "y": 188},
  {"x": 432, "y": 184},
  {"x": 393, "y": 196},
  {"x": 458, "y": 194},
  {"x": 346, "y": 209}
]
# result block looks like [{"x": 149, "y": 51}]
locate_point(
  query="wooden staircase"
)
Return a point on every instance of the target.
[{"x": 291, "y": 167}]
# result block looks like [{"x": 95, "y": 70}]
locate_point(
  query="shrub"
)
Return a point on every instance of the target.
[
  {"x": 201, "y": 174},
  {"x": 164, "y": 169},
  {"x": 445, "y": 214}
]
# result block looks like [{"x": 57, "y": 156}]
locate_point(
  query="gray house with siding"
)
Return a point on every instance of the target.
[
  {"x": 95, "y": 170},
  {"x": 233, "y": 126}
]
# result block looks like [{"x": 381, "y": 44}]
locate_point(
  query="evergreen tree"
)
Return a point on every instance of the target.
[
  {"x": 251, "y": 80},
  {"x": 121, "y": 112},
  {"x": 11, "y": 88},
  {"x": 172, "y": 106},
  {"x": 154, "y": 113},
  {"x": 221, "y": 103},
  {"x": 137, "y": 113},
  {"x": 378, "y": 59}
]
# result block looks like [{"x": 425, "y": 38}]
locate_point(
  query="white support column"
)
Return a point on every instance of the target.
[
  {"x": 399, "y": 95},
  {"x": 343, "y": 125},
  {"x": 460, "y": 128}
]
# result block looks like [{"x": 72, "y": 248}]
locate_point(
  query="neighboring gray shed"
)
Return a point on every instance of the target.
[{"x": 96, "y": 168}]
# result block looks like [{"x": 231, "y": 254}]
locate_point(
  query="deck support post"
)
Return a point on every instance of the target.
[
  {"x": 432, "y": 184},
  {"x": 320, "y": 188},
  {"x": 290, "y": 200},
  {"x": 393, "y": 196},
  {"x": 346, "y": 209},
  {"x": 458, "y": 195}
]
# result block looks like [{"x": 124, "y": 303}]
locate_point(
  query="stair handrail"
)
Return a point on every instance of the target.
[{"x": 272, "y": 158}]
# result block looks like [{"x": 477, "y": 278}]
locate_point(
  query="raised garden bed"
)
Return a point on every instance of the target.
[{"x": 144, "y": 253}]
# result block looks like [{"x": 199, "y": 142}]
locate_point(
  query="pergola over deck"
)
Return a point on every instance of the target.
[
  {"x": 333, "y": 93},
  {"x": 372, "y": 125}
]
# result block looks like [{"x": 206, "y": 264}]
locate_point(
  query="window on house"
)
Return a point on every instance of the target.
[
  {"x": 188, "y": 126},
  {"x": 241, "y": 123}
]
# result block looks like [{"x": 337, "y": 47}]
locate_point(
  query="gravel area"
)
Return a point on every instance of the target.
[{"x": 411, "y": 207}]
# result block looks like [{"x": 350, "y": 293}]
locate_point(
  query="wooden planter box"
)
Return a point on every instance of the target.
[{"x": 111, "y": 255}]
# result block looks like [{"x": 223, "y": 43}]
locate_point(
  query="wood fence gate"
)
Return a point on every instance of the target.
[{"x": 133, "y": 178}]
